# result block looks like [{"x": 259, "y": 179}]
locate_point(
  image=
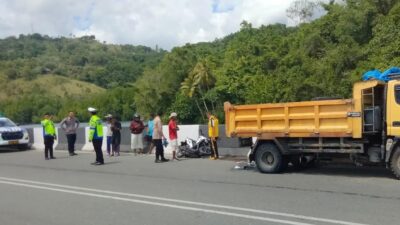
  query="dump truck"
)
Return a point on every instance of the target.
[{"x": 366, "y": 128}]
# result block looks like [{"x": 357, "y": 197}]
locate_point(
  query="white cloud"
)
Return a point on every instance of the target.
[{"x": 166, "y": 23}]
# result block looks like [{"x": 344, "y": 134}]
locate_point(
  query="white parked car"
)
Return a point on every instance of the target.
[{"x": 12, "y": 135}]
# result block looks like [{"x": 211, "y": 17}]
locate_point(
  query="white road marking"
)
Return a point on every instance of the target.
[
  {"x": 310, "y": 218},
  {"x": 157, "y": 203}
]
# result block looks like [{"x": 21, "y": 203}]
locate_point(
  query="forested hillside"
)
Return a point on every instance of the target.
[
  {"x": 85, "y": 59},
  {"x": 276, "y": 63},
  {"x": 273, "y": 63},
  {"x": 39, "y": 73}
]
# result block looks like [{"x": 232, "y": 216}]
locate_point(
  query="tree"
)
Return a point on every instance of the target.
[
  {"x": 150, "y": 91},
  {"x": 384, "y": 6},
  {"x": 11, "y": 74},
  {"x": 198, "y": 83},
  {"x": 301, "y": 11},
  {"x": 245, "y": 25},
  {"x": 189, "y": 87}
]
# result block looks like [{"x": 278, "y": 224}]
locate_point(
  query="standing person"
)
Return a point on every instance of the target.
[
  {"x": 173, "y": 134},
  {"x": 109, "y": 133},
  {"x": 116, "y": 136},
  {"x": 69, "y": 124},
  {"x": 137, "y": 128},
  {"x": 158, "y": 136},
  {"x": 96, "y": 135},
  {"x": 213, "y": 133},
  {"x": 49, "y": 135},
  {"x": 149, "y": 133}
]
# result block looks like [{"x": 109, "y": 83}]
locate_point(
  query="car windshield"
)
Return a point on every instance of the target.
[{"x": 4, "y": 122}]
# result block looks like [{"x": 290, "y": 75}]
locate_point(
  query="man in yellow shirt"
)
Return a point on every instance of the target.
[{"x": 213, "y": 133}]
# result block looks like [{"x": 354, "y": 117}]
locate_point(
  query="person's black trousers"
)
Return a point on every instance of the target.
[
  {"x": 214, "y": 149},
  {"x": 97, "y": 148},
  {"x": 48, "y": 146},
  {"x": 159, "y": 149},
  {"x": 116, "y": 142},
  {"x": 71, "y": 138}
]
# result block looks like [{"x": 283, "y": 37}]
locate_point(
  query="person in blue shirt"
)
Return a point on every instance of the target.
[{"x": 149, "y": 134}]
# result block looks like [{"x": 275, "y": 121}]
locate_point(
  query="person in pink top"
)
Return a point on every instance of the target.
[{"x": 173, "y": 134}]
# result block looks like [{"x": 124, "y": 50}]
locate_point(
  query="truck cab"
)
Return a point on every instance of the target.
[{"x": 393, "y": 108}]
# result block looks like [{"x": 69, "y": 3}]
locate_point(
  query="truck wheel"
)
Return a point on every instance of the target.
[
  {"x": 302, "y": 162},
  {"x": 285, "y": 163},
  {"x": 268, "y": 159},
  {"x": 395, "y": 163},
  {"x": 299, "y": 162}
]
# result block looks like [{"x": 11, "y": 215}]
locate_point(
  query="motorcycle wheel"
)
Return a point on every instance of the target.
[
  {"x": 179, "y": 154},
  {"x": 204, "y": 150}
]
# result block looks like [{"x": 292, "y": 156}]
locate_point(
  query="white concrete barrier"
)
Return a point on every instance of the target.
[
  {"x": 88, "y": 145},
  {"x": 185, "y": 131}
]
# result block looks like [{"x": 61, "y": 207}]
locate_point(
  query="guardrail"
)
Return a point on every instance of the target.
[{"x": 82, "y": 140}]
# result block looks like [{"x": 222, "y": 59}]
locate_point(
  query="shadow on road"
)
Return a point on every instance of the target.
[
  {"x": 61, "y": 157},
  {"x": 12, "y": 150},
  {"x": 330, "y": 169},
  {"x": 346, "y": 170},
  {"x": 112, "y": 162}
]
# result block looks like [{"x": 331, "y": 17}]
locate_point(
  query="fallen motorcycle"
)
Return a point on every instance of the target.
[{"x": 194, "y": 148}]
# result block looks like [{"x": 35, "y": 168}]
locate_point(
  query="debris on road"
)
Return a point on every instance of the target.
[{"x": 244, "y": 165}]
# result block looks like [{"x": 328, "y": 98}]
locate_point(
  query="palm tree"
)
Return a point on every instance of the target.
[
  {"x": 204, "y": 80},
  {"x": 198, "y": 80},
  {"x": 188, "y": 88}
]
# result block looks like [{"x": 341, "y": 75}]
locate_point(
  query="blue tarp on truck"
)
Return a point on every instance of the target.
[
  {"x": 377, "y": 75},
  {"x": 371, "y": 75}
]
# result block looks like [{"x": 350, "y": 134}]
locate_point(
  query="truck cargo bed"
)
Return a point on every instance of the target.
[{"x": 324, "y": 118}]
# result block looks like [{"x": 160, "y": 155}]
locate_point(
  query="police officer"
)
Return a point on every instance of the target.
[
  {"x": 96, "y": 135},
  {"x": 49, "y": 135}
]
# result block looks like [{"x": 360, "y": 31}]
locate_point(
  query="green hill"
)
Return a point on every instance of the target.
[
  {"x": 85, "y": 59},
  {"x": 47, "y": 85},
  {"x": 41, "y": 74}
]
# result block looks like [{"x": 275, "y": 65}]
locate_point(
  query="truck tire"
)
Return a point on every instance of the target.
[
  {"x": 269, "y": 159},
  {"x": 285, "y": 163},
  {"x": 395, "y": 163},
  {"x": 298, "y": 162}
]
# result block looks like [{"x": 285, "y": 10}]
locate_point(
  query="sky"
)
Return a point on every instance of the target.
[{"x": 165, "y": 23}]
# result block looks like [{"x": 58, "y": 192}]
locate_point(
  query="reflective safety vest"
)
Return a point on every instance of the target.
[
  {"x": 213, "y": 127},
  {"x": 96, "y": 128},
  {"x": 48, "y": 128}
]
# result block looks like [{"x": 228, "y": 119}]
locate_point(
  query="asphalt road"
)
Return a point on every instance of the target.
[{"x": 134, "y": 190}]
